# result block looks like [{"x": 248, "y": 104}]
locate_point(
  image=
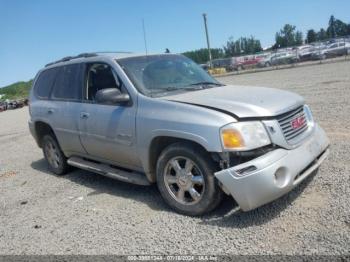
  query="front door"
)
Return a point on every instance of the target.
[{"x": 107, "y": 131}]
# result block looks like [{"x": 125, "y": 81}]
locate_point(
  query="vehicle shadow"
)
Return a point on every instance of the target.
[
  {"x": 103, "y": 185},
  {"x": 226, "y": 215}
]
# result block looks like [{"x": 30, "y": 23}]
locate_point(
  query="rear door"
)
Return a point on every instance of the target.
[
  {"x": 64, "y": 111},
  {"x": 107, "y": 132}
]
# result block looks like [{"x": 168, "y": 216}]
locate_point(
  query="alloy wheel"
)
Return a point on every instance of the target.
[
  {"x": 184, "y": 180},
  {"x": 52, "y": 154}
]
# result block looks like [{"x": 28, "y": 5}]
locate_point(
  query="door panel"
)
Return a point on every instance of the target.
[
  {"x": 65, "y": 115},
  {"x": 108, "y": 132}
]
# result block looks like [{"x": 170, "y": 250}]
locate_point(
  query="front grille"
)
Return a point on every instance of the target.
[{"x": 293, "y": 123}]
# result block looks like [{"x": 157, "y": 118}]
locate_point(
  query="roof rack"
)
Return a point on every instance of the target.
[
  {"x": 114, "y": 52},
  {"x": 68, "y": 58}
]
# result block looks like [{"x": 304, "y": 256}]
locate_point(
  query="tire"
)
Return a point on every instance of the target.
[
  {"x": 54, "y": 155},
  {"x": 267, "y": 64},
  {"x": 194, "y": 191}
]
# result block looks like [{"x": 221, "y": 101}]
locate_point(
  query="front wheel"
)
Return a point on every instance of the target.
[{"x": 185, "y": 178}]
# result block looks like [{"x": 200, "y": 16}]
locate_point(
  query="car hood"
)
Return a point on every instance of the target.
[{"x": 242, "y": 101}]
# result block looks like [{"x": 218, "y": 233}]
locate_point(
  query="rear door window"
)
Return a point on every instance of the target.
[
  {"x": 44, "y": 83},
  {"x": 68, "y": 84}
]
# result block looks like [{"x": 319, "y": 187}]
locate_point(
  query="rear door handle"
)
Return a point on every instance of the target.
[
  {"x": 84, "y": 115},
  {"x": 50, "y": 111}
]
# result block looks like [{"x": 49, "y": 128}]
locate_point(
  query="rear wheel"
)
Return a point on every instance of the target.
[
  {"x": 54, "y": 155},
  {"x": 185, "y": 178}
]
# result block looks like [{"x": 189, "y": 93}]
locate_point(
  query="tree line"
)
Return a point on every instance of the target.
[
  {"x": 288, "y": 36},
  {"x": 16, "y": 90}
]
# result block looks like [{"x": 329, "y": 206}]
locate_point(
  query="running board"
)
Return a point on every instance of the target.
[{"x": 107, "y": 170}]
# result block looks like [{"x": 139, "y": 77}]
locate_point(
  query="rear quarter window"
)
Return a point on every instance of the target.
[{"x": 45, "y": 82}]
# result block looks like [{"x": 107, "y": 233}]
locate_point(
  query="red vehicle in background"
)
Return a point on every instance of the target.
[{"x": 249, "y": 61}]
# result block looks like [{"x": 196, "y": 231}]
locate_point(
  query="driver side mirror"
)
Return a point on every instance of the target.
[{"x": 111, "y": 96}]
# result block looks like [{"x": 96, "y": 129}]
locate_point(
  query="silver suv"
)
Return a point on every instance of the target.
[{"x": 162, "y": 119}]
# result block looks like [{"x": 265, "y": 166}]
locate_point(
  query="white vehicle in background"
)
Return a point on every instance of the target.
[
  {"x": 317, "y": 52},
  {"x": 304, "y": 52},
  {"x": 284, "y": 58},
  {"x": 331, "y": 50},
  {"x": 337, "y": 49},
  {"x": 265, "y": 60}
]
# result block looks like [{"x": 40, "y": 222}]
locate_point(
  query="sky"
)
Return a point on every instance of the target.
[{"x": 36, "y": 32}]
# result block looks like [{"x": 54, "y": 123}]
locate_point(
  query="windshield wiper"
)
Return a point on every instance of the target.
[
  {"x": 189, "y": 88},
  {"x": 158, "y": 91},
  {"x": 205, "y": 83}
]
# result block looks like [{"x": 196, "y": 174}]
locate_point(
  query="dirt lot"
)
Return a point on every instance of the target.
[{"x": 84, "y": 213}]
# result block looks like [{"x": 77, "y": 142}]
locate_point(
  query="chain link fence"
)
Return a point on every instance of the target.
[{"x": 334, "y": 49}]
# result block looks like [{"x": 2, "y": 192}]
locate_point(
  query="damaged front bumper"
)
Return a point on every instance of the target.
[{"x": 268, "y": 177}]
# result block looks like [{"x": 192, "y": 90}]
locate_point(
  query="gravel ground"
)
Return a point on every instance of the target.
[{"x": 84, "y": 213}]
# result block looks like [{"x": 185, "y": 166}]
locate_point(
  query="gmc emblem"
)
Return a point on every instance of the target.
[{"x": 297, "y": 122}]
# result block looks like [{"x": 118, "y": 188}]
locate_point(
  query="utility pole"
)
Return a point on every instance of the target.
[{"x": 207, "y": 35}]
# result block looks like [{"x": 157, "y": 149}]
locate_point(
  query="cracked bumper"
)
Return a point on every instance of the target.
[{"x": 275, "y": 173}]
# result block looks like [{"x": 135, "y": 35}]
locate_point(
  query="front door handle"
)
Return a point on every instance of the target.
[
  {"x": 50, "y": 111},
  {"x": 84, "y": 115}
]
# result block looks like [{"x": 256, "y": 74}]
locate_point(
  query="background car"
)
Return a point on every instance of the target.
[
  {"x": 204, "y": 66},
  {"x": 304, "y": 52},
  {"x": 228, "y": 63},
  {"x": 248, "y": 61},
  {"x": 3, "y": 106},
  {"x": 284, "y": 58},
  {"x": 12, "y": 105},
  {"x": 265, "y": 60},
  {"x": 337, "y": 49},
  {"x": 318, "y": 51}
]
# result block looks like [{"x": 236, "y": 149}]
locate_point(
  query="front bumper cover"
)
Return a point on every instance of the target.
[{"x": 272, "y": 175}]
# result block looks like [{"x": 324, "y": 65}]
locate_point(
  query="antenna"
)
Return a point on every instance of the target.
[{"x": 144, "y": 35}]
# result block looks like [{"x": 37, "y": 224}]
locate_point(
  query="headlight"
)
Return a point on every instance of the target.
[
  {"x": 244, "y": 136},
  {"x": 308, "y": 115}
]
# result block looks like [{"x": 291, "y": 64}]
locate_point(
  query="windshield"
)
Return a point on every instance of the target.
[{"x": 159, "y": 74}]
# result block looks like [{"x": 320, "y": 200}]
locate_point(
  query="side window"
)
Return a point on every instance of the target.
[
  {"x": 99, "y": 76},
  {"x": 44, "y": 83},
  {"x": 68, "y": 84}
]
